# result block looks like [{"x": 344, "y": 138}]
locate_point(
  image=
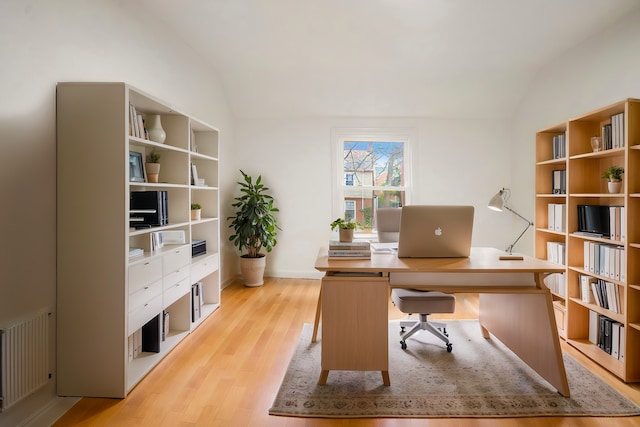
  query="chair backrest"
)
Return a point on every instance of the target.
[{"x": 388, "y": 224}]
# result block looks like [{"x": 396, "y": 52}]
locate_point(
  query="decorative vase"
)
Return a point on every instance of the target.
[
  {"x": 252, "y": 270},
  {"x": 614, "y": 186},
  {"x": 346, "y": 234},
  {"x": 153, "y": 170},
  {"x": 195, "y": 214},
  {"x": 154, "y": 128}
]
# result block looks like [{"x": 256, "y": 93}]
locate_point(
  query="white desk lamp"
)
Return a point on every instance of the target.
[{"x": 498, "y": 203}]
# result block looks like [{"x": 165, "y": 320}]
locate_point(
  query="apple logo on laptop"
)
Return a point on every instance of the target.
[{"x": 438, "y": 231}]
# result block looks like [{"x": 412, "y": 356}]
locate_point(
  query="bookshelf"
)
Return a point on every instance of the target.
[
  {"x": 120, "y": 315},
  {"x": 612, "y": 261}
]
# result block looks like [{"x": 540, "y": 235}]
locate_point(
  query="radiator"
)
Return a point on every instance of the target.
[{"x": 24, "y": 354}]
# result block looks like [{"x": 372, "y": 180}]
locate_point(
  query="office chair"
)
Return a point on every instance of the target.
[{"x": 410, "y": 301}]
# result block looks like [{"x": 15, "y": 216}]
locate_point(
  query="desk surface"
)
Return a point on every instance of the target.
[{"x": 481, "y": 260}]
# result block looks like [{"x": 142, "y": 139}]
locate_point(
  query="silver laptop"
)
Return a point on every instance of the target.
[{"x": 435, "y": 231}]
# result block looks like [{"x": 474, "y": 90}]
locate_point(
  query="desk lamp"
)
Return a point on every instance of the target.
[{"x": 498, "y": 203}]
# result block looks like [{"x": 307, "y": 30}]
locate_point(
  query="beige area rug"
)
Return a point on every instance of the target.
[{"x": 480, "y": 378}]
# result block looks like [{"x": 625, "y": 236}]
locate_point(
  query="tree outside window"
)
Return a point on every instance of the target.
[{"x": 374, "y": 173}]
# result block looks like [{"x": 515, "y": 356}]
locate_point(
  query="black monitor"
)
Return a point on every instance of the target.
[{"x": 594, "y": 219}]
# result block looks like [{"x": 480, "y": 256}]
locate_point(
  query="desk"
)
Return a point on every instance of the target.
[{"x": 515, "y": 307}]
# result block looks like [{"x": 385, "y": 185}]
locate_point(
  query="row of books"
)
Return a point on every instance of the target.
[
  {"x": 197, "y": 300},
  {"x": 136, "y": 124},
  {"x": 146, "y": 339},
  {"x": 607, "y": 334},
  {"x": 349, "y": 250},
  {"x": 601, "y": 292},
  {"x": 605, "y": 260},
  {"x": 559, "y": 146},
  {"x": 613, "y": 134},
  {"x": 617, "y": 223},
  {"x": 557, "y": 283},
  {"x": 559, "y": 181},
  {"x": 556, "y": 252},
  {"x": 557, "y": 214}
]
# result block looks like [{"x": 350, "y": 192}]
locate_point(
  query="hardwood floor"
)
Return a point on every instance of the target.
[{"x": 228, "y": 371}]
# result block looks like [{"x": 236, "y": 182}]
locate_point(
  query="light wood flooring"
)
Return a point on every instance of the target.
[{"x": 228, "y": 371}]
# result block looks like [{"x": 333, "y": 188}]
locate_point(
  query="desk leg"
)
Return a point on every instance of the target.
[
  {"x": 323, "y": 377},
  {"x": 314, "y": 336},
  {"x": 525, "y": 323}
]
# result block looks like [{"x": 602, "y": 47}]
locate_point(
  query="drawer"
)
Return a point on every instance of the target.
[
  {"x": 177, "y": 275},
  {"x": 176, "y": 259},
  {"x": 143, "y": 295},
  {"x": 204, "y": 267},
  {"x": 145, "y": 313},
  {"x": 144, "y": 273},
  {"x": 175, "y": 291}
]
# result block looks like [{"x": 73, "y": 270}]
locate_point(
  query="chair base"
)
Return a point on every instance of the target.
[{"x": 436, "y": 328}]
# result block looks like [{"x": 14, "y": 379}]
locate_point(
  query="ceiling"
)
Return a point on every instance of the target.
[{"x": 381, "y": 58}]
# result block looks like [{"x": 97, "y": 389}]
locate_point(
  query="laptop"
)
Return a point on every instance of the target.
[{"x": 432, "y": 231}]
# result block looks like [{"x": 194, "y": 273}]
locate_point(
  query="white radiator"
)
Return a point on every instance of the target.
[{"x": 24, "y": 354}]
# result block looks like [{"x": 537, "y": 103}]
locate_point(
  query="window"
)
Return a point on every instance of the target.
[{"x": 372, "y": 170}]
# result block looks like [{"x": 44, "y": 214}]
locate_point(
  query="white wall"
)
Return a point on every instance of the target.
[
  {"x": 457, "y": 162},
  {"x": 600, "y": 71},
  {"x": 43, "y": 42}
]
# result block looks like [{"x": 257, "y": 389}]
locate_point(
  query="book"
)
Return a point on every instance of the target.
[
  {"x": 356, "y": 245},
  {"x": 351, "y": 253}
]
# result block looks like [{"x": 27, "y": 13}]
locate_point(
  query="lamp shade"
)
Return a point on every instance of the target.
[{"x": 497, "y": 202}]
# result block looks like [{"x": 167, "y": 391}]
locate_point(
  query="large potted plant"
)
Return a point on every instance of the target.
[{"x": 254, "y": 228}]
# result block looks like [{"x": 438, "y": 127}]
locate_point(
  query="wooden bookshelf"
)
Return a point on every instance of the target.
[{"x": 584, "y": 186}]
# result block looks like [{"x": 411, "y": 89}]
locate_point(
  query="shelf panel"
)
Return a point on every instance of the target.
[
  {"x": 610, "y": 314},
  {"x": 615, "y": 152},
  {"x": 604, "y": 359}
]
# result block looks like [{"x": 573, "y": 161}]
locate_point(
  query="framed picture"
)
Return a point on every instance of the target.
[{"x": 136, "y": 167}]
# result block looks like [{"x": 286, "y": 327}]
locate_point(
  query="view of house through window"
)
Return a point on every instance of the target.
[{"x": 374, "y": 175}]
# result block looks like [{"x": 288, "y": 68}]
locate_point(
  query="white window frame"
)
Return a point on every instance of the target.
[{"x": 338, "y": 137}]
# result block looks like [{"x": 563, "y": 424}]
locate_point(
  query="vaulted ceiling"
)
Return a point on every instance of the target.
[{"x": 387, "y": 58}]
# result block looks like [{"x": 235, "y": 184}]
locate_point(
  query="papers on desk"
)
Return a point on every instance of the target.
[{"x": 384, "y": 248}]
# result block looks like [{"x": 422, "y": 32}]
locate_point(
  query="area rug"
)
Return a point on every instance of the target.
[{"x": 479, "y": 378}]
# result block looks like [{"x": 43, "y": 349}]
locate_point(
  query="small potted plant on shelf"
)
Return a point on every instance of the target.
[
  {"x": 196, "y": 209},
  {"x": 254, "y": 228},
  {"x": 152, "y": 166},
  {"x": 345, "y": 228},
  {"x": 614, "y": 175}
]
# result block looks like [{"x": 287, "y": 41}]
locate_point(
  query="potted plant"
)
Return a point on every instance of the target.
[
  {"x": 153, "y": 166},
  {"x": 196, "y": 209},
  {"x": 254, "y": 228},
  {"x": 345, "y": 228},
  {"x": 614, "y": 175}
]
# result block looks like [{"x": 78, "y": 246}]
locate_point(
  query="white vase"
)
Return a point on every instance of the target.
[{"x": 154, "y": 128}]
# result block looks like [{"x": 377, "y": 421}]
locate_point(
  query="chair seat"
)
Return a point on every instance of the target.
[{"x": 423, "y": 302}]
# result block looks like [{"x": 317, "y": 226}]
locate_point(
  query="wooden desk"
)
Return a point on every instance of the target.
[{"x": 515, "y": 307}]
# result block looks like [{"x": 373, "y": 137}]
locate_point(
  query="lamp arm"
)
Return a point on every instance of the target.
[{"x": 529, "y": 224}]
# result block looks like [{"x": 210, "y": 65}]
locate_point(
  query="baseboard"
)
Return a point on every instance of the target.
[{"x": 47, "y": 415}]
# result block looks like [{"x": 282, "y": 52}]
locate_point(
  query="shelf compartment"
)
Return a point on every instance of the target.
[{"x": 598, "y": 355}]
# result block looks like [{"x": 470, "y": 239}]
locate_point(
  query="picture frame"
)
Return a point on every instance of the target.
[{"x": 136, "y": 167}]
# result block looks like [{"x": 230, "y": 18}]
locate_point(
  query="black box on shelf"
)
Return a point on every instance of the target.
[
  {"x": 198, "y": 247},
  {"x": 148, "y": 209}
]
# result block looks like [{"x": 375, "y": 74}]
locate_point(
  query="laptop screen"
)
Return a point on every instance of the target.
[{"x": 435, "y": 231}]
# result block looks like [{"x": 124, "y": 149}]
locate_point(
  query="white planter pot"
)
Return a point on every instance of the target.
[
  {"x": 153, "y": 170},
  {"x": 614, "y": 186}
]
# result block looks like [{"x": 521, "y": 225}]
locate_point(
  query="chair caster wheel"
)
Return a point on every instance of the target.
[
  {"x": 449, "y": 347},
  {"x": 403, "y": 344}
]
